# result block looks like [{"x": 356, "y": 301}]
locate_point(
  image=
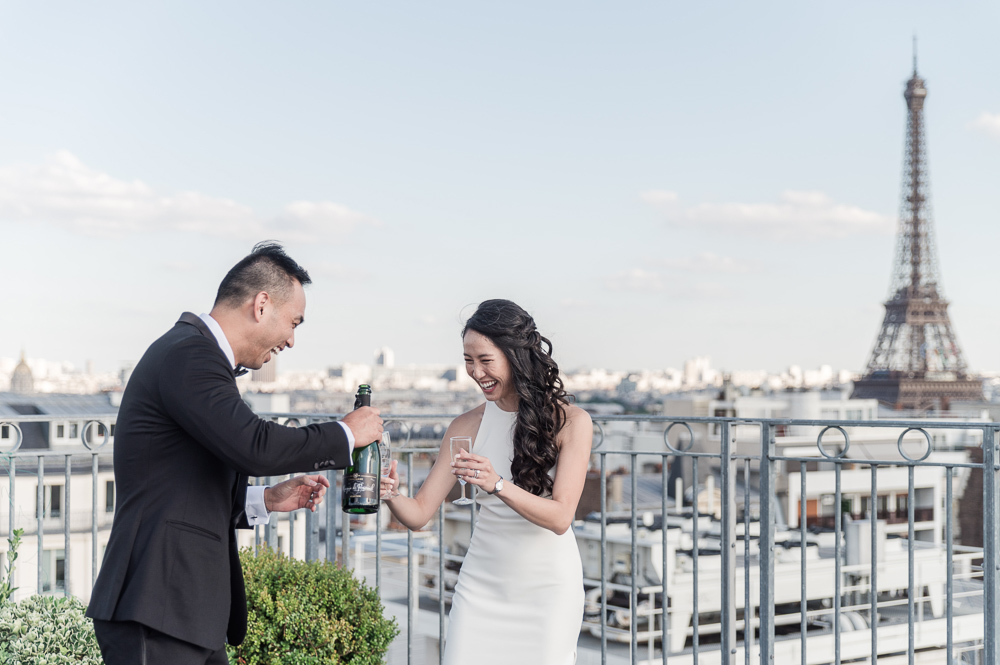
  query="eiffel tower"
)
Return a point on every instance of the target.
[{"x": 916, "y": 363}]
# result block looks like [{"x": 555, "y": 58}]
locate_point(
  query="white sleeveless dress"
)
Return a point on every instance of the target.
[{"x": 519, "y": 596}]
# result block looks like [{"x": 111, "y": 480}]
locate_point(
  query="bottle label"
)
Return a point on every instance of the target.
[{"x": 361, "y": 489}]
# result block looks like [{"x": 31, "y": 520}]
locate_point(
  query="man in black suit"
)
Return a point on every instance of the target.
[{"x": 171, "y": 587}]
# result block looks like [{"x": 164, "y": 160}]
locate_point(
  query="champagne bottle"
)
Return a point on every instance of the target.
[{"x": 361, "y": 478}]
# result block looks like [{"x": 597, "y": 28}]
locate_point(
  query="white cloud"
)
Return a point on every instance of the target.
[
  {"x": 66, "y": 192},
  {"x": 798, "y": 215},
  {"x": 178, "y": 266},
  {"x": 987, "y": 123},
  {"x": 659, "y": 197},
  {"x": 574, "y": 303},
  {"x": 706, "y": 262},
  {"x": 335, "y": 270},
  {"x": 636, "y": 279},
  {"x": 709, "y": 291}
]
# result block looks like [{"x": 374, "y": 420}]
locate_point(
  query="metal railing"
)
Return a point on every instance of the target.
[{"x": 743, "y": 565}]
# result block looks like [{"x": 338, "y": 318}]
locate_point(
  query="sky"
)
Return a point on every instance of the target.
[{"x": 652, "y": 181}]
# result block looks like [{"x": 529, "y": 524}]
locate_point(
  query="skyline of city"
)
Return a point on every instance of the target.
[
  {"x": 652, "y": 184},
  {"x": 696, "y": 374}
]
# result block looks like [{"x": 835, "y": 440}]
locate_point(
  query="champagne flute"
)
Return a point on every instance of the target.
[
  {"x": 458, "y": 444},
  {"x": 385, "y": 456}
]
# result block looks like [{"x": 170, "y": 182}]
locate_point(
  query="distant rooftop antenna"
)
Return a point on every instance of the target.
[{"x": 914, "y": 55}]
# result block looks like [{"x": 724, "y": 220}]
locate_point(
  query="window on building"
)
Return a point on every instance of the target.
[
  {"x": 112, "y": 430},
  {"x": 73, "y": 431},
  {"x": 53, "y": 570},
  {"x": 4, "y": 431},
  {"x": 52, "y": 495},
  {"x": 60, "y": 431},
  {"x": 109, "y": 497}
]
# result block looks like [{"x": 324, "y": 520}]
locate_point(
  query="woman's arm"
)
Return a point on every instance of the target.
[
  {"x": 556, "y": 513},
  {"x": 416, "y": 512}
]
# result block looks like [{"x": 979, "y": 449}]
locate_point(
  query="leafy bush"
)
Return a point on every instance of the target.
[
  {"x": 309, "y": 613},
  {"x": 47, "y": 630}
]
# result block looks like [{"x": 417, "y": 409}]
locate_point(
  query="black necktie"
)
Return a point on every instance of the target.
[{"x": 240, "y": 370}]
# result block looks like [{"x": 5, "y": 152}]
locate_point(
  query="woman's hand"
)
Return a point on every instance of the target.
[
  {"x": 475, "y": 470},
  {"x": 389, "y": 483}
]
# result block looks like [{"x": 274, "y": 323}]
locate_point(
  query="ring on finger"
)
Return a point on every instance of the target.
[{"x": 477, "y": 474}]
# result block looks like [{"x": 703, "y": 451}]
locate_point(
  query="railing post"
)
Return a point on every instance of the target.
[
  {"x": 766, "y": 544},
  {"x": 441, "y": 613},
  {"x": 991, "y": 561},
  {"x": 728, "y": 528},
  {"x": 10, "y": 496},
  {"x": 634, "y": 564},
  {"x": 911, "y": 601},
  {"x": 664, "y": 533},
  {"x": 94, "y": 563},
  {"x": 604, "y": 561},
  {"x": 312, "y": 523},
  {"x": 331, "y": 516},
  {"x": 40, "y": 517},
  {"x": 345, "y": 531},
  {"x": 271, "y": 528},
  {"x": 411, "y": 572},
  {"x": 67, "y": 559},
  {"x": 312, "y": 536},
  {"x": 378, "y": 546}
]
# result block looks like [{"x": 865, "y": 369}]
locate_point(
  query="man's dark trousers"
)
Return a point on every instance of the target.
[{"x": 131, "y": 643}]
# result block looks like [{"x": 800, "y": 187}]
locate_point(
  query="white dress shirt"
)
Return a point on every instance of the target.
[{"x": 256, "y": 509}]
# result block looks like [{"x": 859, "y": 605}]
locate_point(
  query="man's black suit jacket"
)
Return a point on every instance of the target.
[{"x": 185, "y": 443}]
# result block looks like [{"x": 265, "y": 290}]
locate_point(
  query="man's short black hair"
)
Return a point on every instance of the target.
[{"x": 266, "y": 268}]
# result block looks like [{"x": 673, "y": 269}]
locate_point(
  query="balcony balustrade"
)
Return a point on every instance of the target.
[{"x": 708, "y": 565}]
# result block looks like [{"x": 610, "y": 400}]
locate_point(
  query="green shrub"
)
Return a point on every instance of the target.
[
  {"x": 47, "y": 630},
  {"x": 311, "y": 613}
]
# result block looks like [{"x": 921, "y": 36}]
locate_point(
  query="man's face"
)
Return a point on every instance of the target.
[{"x": 275, "y": 330}]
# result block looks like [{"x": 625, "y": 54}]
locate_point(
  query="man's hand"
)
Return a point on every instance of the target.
[
  {"x": 295, "y": 493},
  {"x": 365, "y": 424}
]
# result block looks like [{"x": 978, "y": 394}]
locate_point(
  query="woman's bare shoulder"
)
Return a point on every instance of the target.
[
  {"x": 576, "y": 417},
  {"x": 468, "y": 423},
  {"x": 577, "y": 428}
]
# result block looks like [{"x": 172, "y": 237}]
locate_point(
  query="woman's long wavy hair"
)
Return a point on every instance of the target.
[{"x": 541, "y": 407}]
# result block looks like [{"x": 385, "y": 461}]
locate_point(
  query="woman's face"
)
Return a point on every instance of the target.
[{"x": 489, "y": 367}]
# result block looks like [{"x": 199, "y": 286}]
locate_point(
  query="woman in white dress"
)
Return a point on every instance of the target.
[{"x": 519, "y": 596}]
